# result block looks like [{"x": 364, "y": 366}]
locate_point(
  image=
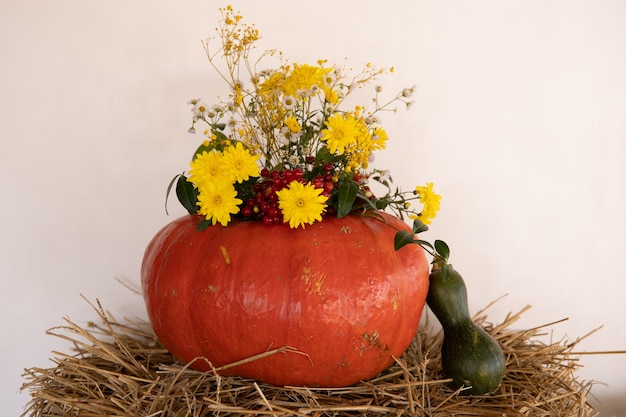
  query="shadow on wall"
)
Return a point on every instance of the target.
[{"x": 614, "y": 406}]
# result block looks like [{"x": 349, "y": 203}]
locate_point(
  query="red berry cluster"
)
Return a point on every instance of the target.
[
  {"x": 362, "y": 181},
  {"x": 263, "y": 205}
]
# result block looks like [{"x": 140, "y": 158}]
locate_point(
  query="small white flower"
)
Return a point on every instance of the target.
[
  {"x": 408, "y": 92},
  {"x": 288, "y": 102},
  {"x": 218, "y": 109},
  {"x": 371, "y": 119},
  {"x": 281, "y": 136},
  {"x": 284, "y": 132},
  {"x": 295, "y": 136},
  {"x": 384, "y": 176},
  {"x": 293, "y": 160},
  {"x": 330, "y": 77},
  {"x": 302, "y": 93},
  {"x": 288, "y": 136},
  {"x": 314, "y": 90},
  {"x": 199, "y": 109}
]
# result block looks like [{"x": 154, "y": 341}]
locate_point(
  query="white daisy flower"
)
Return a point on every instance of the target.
[
  {"x": 199, "y": 109},
  {"x": 288, "y": 102}
]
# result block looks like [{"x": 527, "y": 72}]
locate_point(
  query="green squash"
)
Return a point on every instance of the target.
[{"x": 469, "y": 355}]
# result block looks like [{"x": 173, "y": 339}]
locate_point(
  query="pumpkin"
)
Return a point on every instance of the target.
[{"x": 336, "y": 293}]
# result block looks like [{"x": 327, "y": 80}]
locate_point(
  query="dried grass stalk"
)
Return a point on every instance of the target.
[{"x": 121, "y": 369}]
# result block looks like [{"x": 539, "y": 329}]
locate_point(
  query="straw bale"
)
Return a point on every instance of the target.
[{"x": 121, "y": 369}]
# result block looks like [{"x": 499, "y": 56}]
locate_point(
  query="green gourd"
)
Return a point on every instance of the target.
[{"x": 469, "y": 355}]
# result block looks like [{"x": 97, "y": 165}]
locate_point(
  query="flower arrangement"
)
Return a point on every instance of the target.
[{"x": 283, "y": 149}]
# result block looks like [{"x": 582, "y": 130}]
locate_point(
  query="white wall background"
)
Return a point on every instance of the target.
[{"x": 519, "y": 119}]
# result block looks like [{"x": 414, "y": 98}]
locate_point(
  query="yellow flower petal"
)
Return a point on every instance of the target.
[
  {"x": 301, "y": 204},
  {"x": 430, "y": 200},
  {"x": 217, "y": 200},
  {"x": 239, "y": 164}
]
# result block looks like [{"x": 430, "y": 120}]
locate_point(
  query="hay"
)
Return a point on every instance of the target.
[{"x": 121, "y": 369}]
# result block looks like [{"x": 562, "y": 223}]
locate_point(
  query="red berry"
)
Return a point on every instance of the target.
[
  {"x": 318, "y": 182},
  {"x": 246, "y": 211}
]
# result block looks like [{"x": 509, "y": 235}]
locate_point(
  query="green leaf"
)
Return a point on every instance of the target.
[
  {"x": 220, "y": 135},
  {"x": 419, "y": 226},
  {"x": 426, "y": 245},
  {"x": 345, "y": 198},
  {"x": 201, "y": 148},
  {"x": 402, "y": 238},
  {"x": 323, "y": 156},
  {"x": 366, "y": 201},
  {"x": 187, "y": 194},
  {"x": 203, "y": 224},
  {"x": 442, "y": 249},
  {"x": 374, "y": 214},
  {"x": 169, "y": 189}
]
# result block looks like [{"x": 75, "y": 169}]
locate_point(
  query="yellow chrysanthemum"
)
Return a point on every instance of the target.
[
  {"x": 292, "y": 124},
  {"x": 303, "y": 78},
  {"x": 379, "y": 139},
  {"x": 430, "y": 200},
  {"x": 358, "y": 153},
  {"x": 301, "y": 204},
  {"x": 239, "y": 164},
  {"x": 341, "y": 131},
  {"x": 217, "y": 200},
  {"x": 271, "y": 83},
  {"x": 330, "y": 95},
  {"x": 205, "y": 167}
]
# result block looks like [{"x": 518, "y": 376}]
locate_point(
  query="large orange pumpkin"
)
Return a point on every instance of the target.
[{"x": 336, "y": 291}]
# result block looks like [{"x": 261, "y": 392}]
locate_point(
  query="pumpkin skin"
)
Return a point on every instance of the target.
[{"x": 337, "y": 291}]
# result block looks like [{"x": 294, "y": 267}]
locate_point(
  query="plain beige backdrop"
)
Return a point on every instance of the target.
[{"x": 519, "y": 119}]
